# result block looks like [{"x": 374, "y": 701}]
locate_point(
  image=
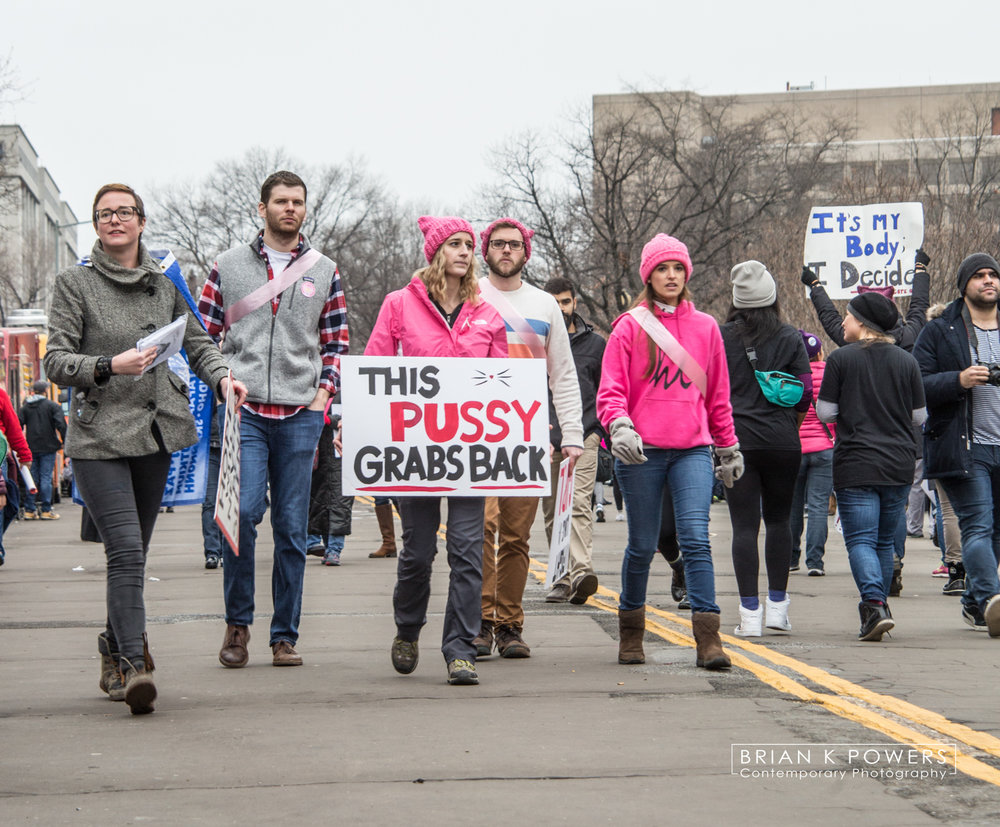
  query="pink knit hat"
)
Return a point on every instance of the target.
[
  {"x": 888, "y": 291},
  {"x": 526, "y": 234},
  {"x": 437, "y": 230},
  {"x": 662, "y": 248}
]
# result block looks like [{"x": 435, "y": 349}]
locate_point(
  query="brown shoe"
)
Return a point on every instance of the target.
[
  {"x": 285, "y": 655},
  {"x": 583, "y": 588},
  {"x": 484, "y": 642},
  {"x": 234, "y": 652},
  {"x": 383, "y": 513},
  {"x": 48, "y": 515},
  {"x": 559, "y": 593},
  {"x": 631, "y": 629},
  {"x": 510, "y": 644},
  {"x": 710, "y": 653},
  {"x": 140, "y": 691},
  {"x": 111, "y": 676}
]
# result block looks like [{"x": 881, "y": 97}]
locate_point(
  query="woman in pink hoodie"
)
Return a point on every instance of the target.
[
  {"x": 664, "y": 398},
  {"x": 440, "y": 313}
]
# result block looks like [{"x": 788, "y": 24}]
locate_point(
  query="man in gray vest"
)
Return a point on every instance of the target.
[{"x": 286, "y": 332}]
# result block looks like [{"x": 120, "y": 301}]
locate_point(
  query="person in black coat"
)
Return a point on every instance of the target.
[{"x": 45, "y": 429}]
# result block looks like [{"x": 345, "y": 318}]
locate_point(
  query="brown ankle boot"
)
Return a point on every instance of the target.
[
  {"x": 383, "y": 513},
  {"x": 631, "y": 628},
  {"x": 706, "y": 635},
  {"x": 140, "y": 691},
  {"x": 111, "y": 678}
]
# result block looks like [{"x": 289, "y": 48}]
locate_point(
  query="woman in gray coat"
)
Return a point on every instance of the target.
[{"x": 125, "y": 419}]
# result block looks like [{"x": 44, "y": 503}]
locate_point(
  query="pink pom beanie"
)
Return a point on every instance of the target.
[
  {"x": 662, "y": 248},
  {"x": 437, "y": 230},
  {"x": 526, "y": 234}
]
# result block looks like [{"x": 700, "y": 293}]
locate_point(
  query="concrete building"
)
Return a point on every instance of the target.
[{"x": 38, "y": 230}]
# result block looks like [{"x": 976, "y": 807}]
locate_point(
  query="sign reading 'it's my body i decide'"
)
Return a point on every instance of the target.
[
  {"x": 871, "y": 246},
  {"x": 445, "y": 427}
]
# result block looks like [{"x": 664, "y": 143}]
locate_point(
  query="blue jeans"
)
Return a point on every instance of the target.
[
  {"x": 42, "y": 466},
  {"x": 813, "y": 487},
  {"x": 690, "y": 476},
  {"x": 334, "y": 542},
  {"x": 976, "y": 501},
  {"x": 10, "y": 510},
  {"x": 280, "y": 451},
  {"x": 211, "y": 534},
  {"x": 870, "y": 515}
]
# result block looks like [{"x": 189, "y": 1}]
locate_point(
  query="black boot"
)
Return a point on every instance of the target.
[
  {"x": 876, "y": 620},
  {"x": 956, "y": 579},
  {"x": 896, "y": 586}
]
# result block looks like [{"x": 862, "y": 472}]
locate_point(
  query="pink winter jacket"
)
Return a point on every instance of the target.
[
  {"x": 409, "y": 324},
  {"x": 811, "y": 433},
  {"x": 667, "y": 411}
]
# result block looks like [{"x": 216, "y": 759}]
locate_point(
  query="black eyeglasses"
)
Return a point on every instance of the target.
[
  {"x": 497, "y": 244},
  {"x": 123, "y": 213}
]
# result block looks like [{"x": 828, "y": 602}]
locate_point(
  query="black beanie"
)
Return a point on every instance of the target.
[
  {"x": 875, "y": 311},
  {"x": 968, "y": 268}
]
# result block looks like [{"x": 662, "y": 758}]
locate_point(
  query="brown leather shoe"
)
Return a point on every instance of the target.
[
  {"x": 285, "y": 654},
  {"x": 234, "y": 652}
]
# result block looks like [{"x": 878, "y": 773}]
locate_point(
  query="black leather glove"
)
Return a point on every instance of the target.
[
  {"x": 809, "y": 278},
  {"x": 922, "y": 258}
]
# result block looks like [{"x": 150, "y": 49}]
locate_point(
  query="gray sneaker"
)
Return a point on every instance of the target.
[
  {"x": 462, "y": 673},
  {"x": 559, "y": 593}
]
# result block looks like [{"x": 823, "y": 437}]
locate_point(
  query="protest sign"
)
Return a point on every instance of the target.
[
  {"x": 227, "y": 498},
  {"x": 561, "y": 525},
  {"x": 865, "y": 246},
  {"x": 445, "y": 427}
]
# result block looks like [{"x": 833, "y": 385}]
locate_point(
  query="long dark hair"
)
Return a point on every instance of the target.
[{"x": 759, "y": 323}]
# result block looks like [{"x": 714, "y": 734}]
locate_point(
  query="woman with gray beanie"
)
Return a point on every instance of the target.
[
  {"x": 758, "y": 342},
  {"x": 873, "y": 391}
]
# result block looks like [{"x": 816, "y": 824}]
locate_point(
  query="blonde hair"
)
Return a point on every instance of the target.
[
  {"x": 434, "y": 279},
  {"x": 647, "y": 297}
]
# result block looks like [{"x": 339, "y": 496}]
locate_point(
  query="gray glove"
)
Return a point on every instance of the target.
[
  {"x": 626, "y": 444},
  {"x": 730, "y": 464}
]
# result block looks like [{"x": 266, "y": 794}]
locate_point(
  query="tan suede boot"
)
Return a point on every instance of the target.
[
  {"x": 111, "y": 678},
  {"x": 631, "y": 628},
  {"x": 140, "y": 691},
  {"x": 383, "y": 513},
  {"x": 710, "y": 654}
]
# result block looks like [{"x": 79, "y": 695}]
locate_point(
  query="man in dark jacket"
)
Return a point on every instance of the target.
[
  {"x": 959, "y": 358},
  {"x": 588, "y": 351},
  {"x": 45, "y": 429}
]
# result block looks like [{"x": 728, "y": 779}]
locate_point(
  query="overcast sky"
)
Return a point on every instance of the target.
[{"x": 154, "y": 92}]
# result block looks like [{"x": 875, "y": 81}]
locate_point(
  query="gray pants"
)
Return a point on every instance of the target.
[{"x": 421, "y": 518}]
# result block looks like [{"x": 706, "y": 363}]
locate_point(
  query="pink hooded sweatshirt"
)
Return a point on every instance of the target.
[
  {"x": 667, "y": 410},
  {"x": 409, "y": 324},
  {"x": 811, "y": 433}
]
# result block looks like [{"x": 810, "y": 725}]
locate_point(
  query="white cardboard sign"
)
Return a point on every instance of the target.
[
  {"x": 873, "y": 245},
  {"x": 416, "y": 426},
  {"x": 561, "y": 526},
  {"x": 227, "y": 498}
]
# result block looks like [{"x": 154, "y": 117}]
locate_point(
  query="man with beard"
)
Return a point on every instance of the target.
[
  {"x": 959, "y": 358},
  {"x": 580, "y": 581},
  {"x": 535, "y": 329},
  {"x": 279, "y": 306}
]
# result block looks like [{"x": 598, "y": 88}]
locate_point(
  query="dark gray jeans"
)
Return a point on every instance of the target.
[
  {"x": 421, "y": 518},
  {"x": 123, "y": 497}
]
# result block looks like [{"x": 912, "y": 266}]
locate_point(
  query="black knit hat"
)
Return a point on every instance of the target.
[
  {"x": 875, "y": 311},
  {"x": 972, "y": 264}
]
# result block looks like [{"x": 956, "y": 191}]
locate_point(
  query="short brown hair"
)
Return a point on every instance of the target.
[
  {"x": 282, "y": 177},
  {"x": 116, "y": 188}
]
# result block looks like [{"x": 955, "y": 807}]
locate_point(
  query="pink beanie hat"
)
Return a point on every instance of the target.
[
  {"x": 662, "y": 248},
  {"x": 526, "y": 234},
  {"x": 437, "y": 230}
]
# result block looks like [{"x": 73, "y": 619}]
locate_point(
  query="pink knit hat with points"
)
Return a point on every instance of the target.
[
  {"x": 437, "y": 230},
  {"x": 662, "y": 248},
  {"x": 526, "y": 234}
]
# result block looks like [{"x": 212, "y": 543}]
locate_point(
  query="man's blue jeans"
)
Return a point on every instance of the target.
[
  {"x": 976, "y": 500},
  {"x": 280, "y": 451},
  {"x": 870, "y": 515},
  {"x": 42, "y": 466},
  {"x": 690, "y": 476},
  {"x": 813, "y": 487}
]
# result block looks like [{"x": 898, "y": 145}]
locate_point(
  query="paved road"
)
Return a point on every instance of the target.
[{"x": 568, "y": 736}]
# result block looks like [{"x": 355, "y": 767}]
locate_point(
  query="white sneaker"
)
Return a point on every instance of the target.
[
  {"x": 619, "y": 518},
  {"x": 777, "y": 615},
  {"x": 750, "y": 622}
]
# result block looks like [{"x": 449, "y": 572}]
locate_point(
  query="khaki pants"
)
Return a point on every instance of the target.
[
  {"x": 505, "y": 558},
  {"x": 581, "y": 544}
]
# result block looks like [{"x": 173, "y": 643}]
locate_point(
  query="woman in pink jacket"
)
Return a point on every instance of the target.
[
  {"x": 440, "y": 313},
  {"x": 663, "y": 418}
]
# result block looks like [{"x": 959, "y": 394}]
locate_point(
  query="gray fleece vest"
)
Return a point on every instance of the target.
[{"x": 275, "y": 354}]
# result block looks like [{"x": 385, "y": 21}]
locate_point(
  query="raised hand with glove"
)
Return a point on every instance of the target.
[
  {"x": 626, "y": 444},
  {"x": 730, "y": 466}
]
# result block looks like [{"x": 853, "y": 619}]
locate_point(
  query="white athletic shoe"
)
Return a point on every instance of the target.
[
  {"x": 777, "y": 615},
  {"x": 750, "y": 622}
]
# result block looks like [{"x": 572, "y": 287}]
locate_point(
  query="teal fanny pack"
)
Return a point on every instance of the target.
[{"x": 778, "y": 388}]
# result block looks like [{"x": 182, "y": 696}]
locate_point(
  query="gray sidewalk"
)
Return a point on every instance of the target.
[{"x": 567, "y": 736}]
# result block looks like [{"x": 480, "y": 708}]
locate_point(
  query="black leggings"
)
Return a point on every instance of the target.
[
  {"x": 123, "y": 497},
  {"x": 766, "y": 488}
]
